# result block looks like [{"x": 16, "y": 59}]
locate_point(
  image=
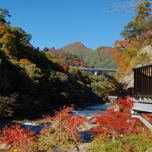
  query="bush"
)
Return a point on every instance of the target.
[
  {"x": 5, "y": 108},
  {"x": 117, "y": 121},
  {"x": 63, "y": 132},
  {"x": 19, "y": 139}
]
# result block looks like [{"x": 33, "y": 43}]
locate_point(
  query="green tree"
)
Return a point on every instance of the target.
[
  {"x": 100, "y": 88},
  {"x": 7, "y": 39},
  {"x": 134, "y": 29},
  {"x": 3, "y": 14},
  {"x": 45, "y": 49},
  {"x": 21, "y": 37}
]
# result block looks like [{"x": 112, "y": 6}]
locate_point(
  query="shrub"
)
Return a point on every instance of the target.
[
  {"x": 65, "y": 68},
  {"x": 19, "y": 139},
  {"x": 25, "y": 61},
  {"x": 5, "y": 109},
  {"x": 117, "y": 121},
  {"x": 63, "y": 132}
]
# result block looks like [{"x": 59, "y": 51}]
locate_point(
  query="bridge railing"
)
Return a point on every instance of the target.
[{"x": 143, "y": 81}]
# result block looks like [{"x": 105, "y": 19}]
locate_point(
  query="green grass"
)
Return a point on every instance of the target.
[{"x": 132, "y": 143}]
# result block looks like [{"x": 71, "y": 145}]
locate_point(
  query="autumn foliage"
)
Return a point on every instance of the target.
[
  {"x": 136, "y": 34},
  {"x": 17, "y": 138},
  {"x": 61, "y": 134},
  {"x": 123, "y": 52},
  {"x": 117, "y": 121},
  {"x": 7, "y": 39},
  {"x": 63, "y": 131},
  {"x": 66, "y": 59},
  {"x": 25, "y": 61}
]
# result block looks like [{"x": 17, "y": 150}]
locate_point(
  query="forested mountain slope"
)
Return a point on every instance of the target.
[
  {"x": 100, "y": 58},
  {"x": 31, "y": 81},
  {"x": 77, "y": 48},
  {"x": 66, "y": 58}
]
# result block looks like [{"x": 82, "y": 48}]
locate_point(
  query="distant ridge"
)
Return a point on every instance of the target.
[{"x": 100, "y": 58}]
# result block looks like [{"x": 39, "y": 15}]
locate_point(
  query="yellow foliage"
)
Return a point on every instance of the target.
[
  {"x": 56, "y": 62},
  {"x": 30, "y": 75},
  {"x": 37, "y": 81},
  {"x": 7, "y": 40},
  {"x": 25, "y": 62},
  {"x": 123, "y": 52},
  {"x": 81, "y": 83},
  {"x": 65, "y": 94}
]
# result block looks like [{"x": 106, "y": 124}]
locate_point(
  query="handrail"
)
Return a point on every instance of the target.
[{"x": 143, "y": 81}]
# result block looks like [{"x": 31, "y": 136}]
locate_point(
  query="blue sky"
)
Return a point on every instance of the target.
[{"x": 56, "y": 23}]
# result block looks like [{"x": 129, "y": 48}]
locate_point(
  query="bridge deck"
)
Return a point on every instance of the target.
[{"x": 93, "y": 69}]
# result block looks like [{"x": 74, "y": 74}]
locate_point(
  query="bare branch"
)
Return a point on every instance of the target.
[{"x": 125, "y": 5}]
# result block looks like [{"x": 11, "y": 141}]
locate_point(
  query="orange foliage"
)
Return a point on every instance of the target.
[
  {"x": 7, "y": 40},
  {"x": 65, "y": 67},
  {"x": 30, "y": 46},
  {"x": 146, "y": 37},
  {"x": 63, "y": 62},
  {"x": 7, "y": 52},
  {"x": 123, "y": 51},
  {"x": 25, "y": 61}
]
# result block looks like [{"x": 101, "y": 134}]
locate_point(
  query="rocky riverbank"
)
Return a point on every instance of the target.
[
  {"x": 38, "y": 124},
  {"x": 84, "y": 130}
]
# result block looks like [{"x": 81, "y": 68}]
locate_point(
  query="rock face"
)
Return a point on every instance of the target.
[
  {"x": 147, "y": 49},
  {"x": 128, "y": 81}
]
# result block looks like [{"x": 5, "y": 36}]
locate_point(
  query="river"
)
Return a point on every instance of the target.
[{"x": 38, "y": 124}]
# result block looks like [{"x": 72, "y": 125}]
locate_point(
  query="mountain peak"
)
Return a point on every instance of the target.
[
  {"x": 76, "y": 48},
  {"x": 100, "y": 58},
  {"x": 77, "y": 43}
]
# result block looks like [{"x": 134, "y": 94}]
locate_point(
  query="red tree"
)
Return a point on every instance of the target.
[
  {"x": 117, "y": 121},
  {"x": 17, "y": 138}
]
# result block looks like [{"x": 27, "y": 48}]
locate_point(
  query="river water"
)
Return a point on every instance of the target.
[
  {"x": 38, "y": 124},
  {"x": 90, "y": 110}
]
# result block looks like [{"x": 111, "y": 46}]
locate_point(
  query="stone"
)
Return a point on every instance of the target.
[{"x": 147, "y": 49}]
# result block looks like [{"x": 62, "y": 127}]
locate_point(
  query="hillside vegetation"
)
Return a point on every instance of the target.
[
  {"x": 130, "y": 52},
  {"x": 122, "y": 132},
  {"x": 32, "y": 81},
  {"x": 66, "y": 58},
  {"x": 77, "y": 48},
  {"x": 100, "y": 58}
]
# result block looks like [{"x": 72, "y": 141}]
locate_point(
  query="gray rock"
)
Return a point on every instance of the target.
[
  {"x": 147, "y": 49},
  {"x": 128, "y": 81}
]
